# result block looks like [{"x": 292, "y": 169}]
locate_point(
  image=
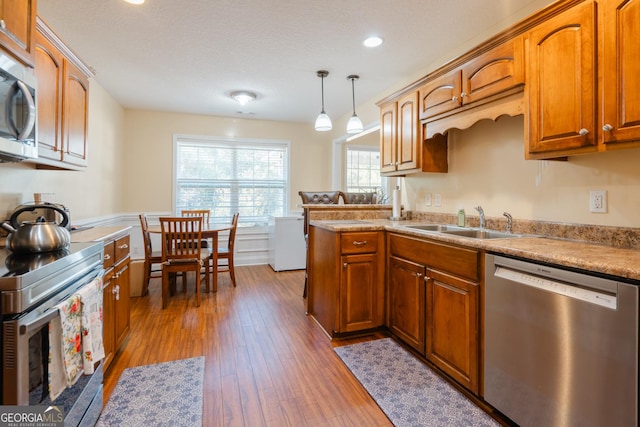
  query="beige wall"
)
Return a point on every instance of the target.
[
  {"x": 149, "y": 163},
  {"x": 487, "y": 168},
  {"x": 92, "y": 193}
]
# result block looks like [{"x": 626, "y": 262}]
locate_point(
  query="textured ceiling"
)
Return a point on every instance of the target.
[{"x": 188, "y": 55}]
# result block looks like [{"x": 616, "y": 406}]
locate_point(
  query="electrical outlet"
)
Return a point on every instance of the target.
[
  {"x": 427, "y": 199},
  {"x": 437, "y": 200},
  {"x": 598, "y": 201}
]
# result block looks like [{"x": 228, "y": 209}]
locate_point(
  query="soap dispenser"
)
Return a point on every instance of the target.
[{"x": 461, "y": 218}]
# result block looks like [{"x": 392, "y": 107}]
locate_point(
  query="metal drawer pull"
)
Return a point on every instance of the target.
[
  {"x": 607, "y": 128},
  {"x": 583, "y": 131},
  {"x": 107, "y": 256},
  {"x": 358, "y": 243},
  {"x": 125, "y": 246}
]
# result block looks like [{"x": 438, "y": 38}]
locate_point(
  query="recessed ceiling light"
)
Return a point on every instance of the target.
[
  {"x": 372, "y": 41},
  {"x": 243, "y": 96},
  {"x": 135, "y": 1}
]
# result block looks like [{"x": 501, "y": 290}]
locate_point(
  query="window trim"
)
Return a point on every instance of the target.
[{"x": 179, "y": 137}]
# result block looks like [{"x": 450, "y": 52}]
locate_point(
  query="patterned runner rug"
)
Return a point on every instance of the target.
[
  {"x": 407, "y": 390},
  {"x": 164, "y": 394}
]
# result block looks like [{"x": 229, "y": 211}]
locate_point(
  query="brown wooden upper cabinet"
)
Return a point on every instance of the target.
[
  {"x": 561, "y": 84},
  {"x": 400, "y": 135},
  {"x": 63, "y": 95},
  {"x": 483, "y": 78},
  {"x": 402, "y": 149},
  {"x": 568, "y": 112},
  {"x": 620, "y": 64},
  {"x": 17, "y": 28}
]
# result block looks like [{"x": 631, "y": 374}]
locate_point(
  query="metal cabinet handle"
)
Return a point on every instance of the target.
[
  {"x": 360, "y": 243},
  {"x": 454, "y": 98},
  {"x": 607, "y": 127},
  {"x": 418, "y": 275},
  {"x": 463, "y": 94},
  {"x": 116, "y": 291},
  {"x": 3, "y": 24},
  {"x": 124, "y": 246},
  {"x": 583, "y": 131},
  {"x": 107, "y": 257},
  {"x": 345, "y": 265}
]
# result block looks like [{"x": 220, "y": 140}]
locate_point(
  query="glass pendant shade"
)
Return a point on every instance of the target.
[
  {"x": 323, "y": 122},
  {"x": 354, "y": 125}
]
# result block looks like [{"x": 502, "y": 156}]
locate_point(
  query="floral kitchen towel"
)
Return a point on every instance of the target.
[
  {"x": 92, "y": 345},
  {"x": 69, "y": 334}
]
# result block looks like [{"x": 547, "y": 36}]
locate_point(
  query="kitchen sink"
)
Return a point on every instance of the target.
[
  {"x": 434, "y": 227},
  {"x": 481, "y": 234}
]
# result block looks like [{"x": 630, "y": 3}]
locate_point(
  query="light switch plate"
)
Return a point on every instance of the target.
[
  {"x": 427, "y": 199},
  {"x": 437, "y": 200}
]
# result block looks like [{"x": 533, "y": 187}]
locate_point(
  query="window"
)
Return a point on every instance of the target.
[
  {"x": 363, "y": 169},
  {"x": 231, "y": 175}
]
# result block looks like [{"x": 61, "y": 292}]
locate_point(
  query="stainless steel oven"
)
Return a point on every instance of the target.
[{"x": 31, "y": 287}]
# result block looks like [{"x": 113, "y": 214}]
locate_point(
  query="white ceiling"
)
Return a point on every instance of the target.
[{"x": 188, "y": 55}]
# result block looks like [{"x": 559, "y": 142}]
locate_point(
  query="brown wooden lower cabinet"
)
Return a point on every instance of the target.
[
  {"x": 436, "y": 311},
  {"x": 407, "y": 302},
  {"x": 346, "y": 280},
  {"x": 452, "y": 332}
]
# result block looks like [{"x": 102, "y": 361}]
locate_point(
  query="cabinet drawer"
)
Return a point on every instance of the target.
[
  {"x": 121, "y": 248},
  {"x": 359, "y": 243},
  {"x": 109, "y": 254}
]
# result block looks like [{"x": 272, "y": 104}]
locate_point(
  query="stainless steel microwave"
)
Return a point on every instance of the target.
[{"x": 18, "y": 139}]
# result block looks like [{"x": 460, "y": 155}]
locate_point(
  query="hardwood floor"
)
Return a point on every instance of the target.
[{"x": 266, "y": 362}]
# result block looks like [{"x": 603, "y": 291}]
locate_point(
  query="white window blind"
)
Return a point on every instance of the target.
[
  {"x": 228, "y": 176},
  {"x": 363, "y": 169}
]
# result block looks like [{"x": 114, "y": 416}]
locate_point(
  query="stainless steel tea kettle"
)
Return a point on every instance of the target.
[{"x": 37, "y": 236}]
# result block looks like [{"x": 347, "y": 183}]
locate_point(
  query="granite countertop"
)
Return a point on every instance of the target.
[
  {"x": 623, "y": 263},
  {"x": 98, "y": 234}
]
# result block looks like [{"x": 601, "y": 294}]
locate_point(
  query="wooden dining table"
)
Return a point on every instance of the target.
[{"x": 209, "y": 231}]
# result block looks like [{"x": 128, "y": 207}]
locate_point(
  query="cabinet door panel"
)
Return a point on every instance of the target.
[
  {"x": 496, "y": 71},
  {"x": 76, "y": 100},
  {"x": 388, "y": 138},
  {"x": 562, "y": 82},
  {"x": 49, "y": 69},
  {"x": 440, "y": 95},
  {"x": 621, "y": 68},
  {"x": 122, "y": 303},
  {"x": 409, "y": 131},
  {"x": 108, "y": 319},
  {"x": 453, "y": 327},
  {"x": 358, "y": 293},
  {"x": 407, "y": 302},
  {"x": 18, "y": 18}
]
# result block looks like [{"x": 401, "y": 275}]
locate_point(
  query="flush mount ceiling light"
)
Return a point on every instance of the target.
[
  {"x": 243, "y": 97},
  {"x": 372, "y": 41},
  {"x": 135, "y": 1},
  {"x": 354, "y": 125},
  {"x": 323, "y": 122}
]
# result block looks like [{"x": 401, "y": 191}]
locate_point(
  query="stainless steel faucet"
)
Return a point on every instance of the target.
[
  {"x": 509, "y": 221},
  {"x": 481, "y": 213}
]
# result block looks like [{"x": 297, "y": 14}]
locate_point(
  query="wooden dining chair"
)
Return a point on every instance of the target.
[
  {"x": 225, "y": 252},
  {"x": 181, "y": 252},
  {"x": 204, "y": 213},
  {"x": 151, "y": 257}
]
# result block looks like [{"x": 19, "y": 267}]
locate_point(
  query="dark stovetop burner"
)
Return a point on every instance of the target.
[{"x": 17, "y": 264}]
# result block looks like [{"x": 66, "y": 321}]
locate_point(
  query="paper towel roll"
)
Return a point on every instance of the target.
[{"x": 395, "y": 211}]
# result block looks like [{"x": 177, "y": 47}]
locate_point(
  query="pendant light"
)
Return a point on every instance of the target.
[
  {"x": 323, "y": 122},
  {"x": 354, "y": 125}
]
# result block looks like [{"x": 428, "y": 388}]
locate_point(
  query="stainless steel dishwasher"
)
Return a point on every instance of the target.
[{"x": 561, "y": 347}]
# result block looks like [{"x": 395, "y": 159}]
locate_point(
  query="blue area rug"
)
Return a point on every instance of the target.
[
  {"x": 165, "y": 394},
  {"x": 407, "y": 390}
]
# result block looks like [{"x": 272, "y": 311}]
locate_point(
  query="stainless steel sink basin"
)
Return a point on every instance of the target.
[
  {"x": 481, "y": 234},
  {"x": 434, "y": 227}
]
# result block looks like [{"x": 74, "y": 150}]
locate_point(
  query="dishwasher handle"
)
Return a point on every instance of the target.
[{"x": 575, "y": 291}]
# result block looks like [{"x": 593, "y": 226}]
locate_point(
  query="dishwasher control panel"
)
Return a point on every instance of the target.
[{"x": 569, "y": 290}]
